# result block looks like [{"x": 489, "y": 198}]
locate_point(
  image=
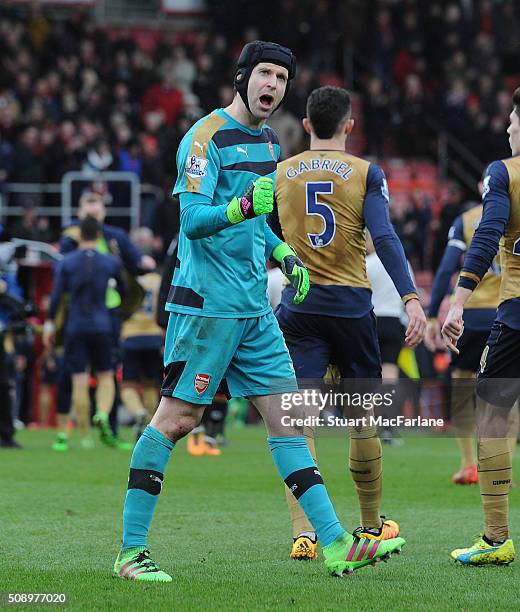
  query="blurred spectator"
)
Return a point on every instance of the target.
[
  {"x": 65, "y": 153},
  {"x": 376, "y": 116},
  {"x": 303, "y": 84},
  {"x": 455, "y": 108},
  {"x": 129, "y": 159},
  {"x": 69, "y": 104},
  {"x": 183, "y": 69},
  {"x": 322, "y": 23},
  {"x": 37, "y": 27},
  {"x": 483, "y": 55},
  {"x": 99, "y": 157},
  {"x": 122, "y": 70},
  {"x": 152, "y": 176},
  {"x": 28, "y": 165},
  {"x": 206, "y": 83},
  {"x": 167, "y": 219},
  {"x": 452, "y": 207},
  {"x": 142, "y": 73},
  {"x": 289, "y": 131},
  {"x": 30, "y": 226},
  {"x": 414, "y": 230},
  {"x": 122, "y": 103},
  {"x": 414, "y": 132},
  {"x": 164, "y": 98},
  {"x": 23, "y": 90},
  {"x": 384, "y": 42},
  {"x": 10, "y": 115},
  {"x": 12, "y": 318},
  {"x": 506, "y": 30},
  {"x": 10, "y": 292},
  {"x": 225, "y": 95},
  {"x": 6, "y": 161}
]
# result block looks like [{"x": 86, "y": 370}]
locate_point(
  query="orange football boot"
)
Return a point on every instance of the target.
[
  {"x": 388, "y": 530},
  {"x": 195, "y": 445},
  {"x": 466, "y": 476}
]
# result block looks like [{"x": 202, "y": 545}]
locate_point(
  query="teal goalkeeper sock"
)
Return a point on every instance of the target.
[
  {"x": 296, "y": 466},
  {"x": 149, "y": 459}
]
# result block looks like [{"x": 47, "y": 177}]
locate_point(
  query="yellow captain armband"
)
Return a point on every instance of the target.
[
  {"x": 409, "y": 296},
  {"x": 471, "y": 276}
]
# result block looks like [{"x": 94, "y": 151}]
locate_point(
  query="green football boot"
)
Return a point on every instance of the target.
[
  {"x": 122, "y": 445},
  {"x": 106, "y": 436},
  {"x": 61, "y": 444},
  {"x": 136, "y": 564},
  {"x": 350, "y": 553}
]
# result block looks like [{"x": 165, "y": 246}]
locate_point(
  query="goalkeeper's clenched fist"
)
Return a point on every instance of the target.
[
  {"x": 257, "y": 200},
  {"x": 293, "y": 268}
]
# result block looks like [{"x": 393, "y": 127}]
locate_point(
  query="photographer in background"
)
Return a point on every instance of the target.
[{"x": 10, "y": 305}]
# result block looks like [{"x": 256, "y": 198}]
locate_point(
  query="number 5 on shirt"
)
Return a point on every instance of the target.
[{"x": 315, "y": 207}]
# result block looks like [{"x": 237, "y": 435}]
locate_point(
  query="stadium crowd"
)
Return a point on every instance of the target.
[
  {"x": 449, "y": 64},
  {"x": 75, "y": 95}
]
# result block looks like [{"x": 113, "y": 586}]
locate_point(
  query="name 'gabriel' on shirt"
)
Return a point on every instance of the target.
[{"x": 335, "y": 166}]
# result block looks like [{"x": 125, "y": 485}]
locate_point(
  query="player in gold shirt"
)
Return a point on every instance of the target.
[
  {"x": 142, "y": 342},
  {"x": 498, "y": 380},
  {"x": 480, "y": 312},
  {"x": 325, "y": 198}
]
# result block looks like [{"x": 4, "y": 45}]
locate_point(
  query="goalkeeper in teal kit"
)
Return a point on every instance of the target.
[{"x": 222, "y": 331}]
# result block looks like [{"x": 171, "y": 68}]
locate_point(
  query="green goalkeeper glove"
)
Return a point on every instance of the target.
[
  {"x": 293, "y": 268},
  {"x": 257, "y": 200}
]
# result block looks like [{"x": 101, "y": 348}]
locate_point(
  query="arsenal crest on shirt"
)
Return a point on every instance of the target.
[{"x": 201, "y": 382}]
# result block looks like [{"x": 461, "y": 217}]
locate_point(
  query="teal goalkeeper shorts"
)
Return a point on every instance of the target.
[{"x": 238, "y": 357}]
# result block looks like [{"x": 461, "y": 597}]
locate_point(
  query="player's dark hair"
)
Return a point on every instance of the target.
[
  {"x": 516, "y": 101},
  {"x": 327, "y": 109},
  {"x": 89, "y": 228}
]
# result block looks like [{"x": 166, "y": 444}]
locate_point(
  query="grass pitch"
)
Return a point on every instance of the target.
[{"x": 222, "y": 530}]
